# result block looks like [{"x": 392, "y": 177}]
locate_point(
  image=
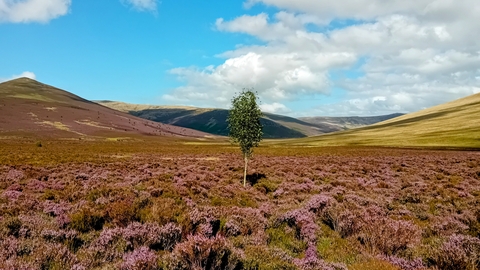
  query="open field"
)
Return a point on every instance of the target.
[{"x": 172, "y": 204}]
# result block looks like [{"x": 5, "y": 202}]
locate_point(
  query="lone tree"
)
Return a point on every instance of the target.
[{"x": 244, "y": 124}]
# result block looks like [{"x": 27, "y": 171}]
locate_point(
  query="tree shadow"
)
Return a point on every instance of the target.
[{"x": 255, "y": 177}]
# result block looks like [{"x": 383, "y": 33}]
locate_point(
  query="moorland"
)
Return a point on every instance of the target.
[{"x": 95, "y": 188}]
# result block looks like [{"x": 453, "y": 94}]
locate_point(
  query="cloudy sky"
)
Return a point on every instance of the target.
[{"x": 303, "y": 57}]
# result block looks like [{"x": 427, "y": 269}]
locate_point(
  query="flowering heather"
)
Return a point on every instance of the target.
[
  {"x": 139, "y": 259},
  {"x": 127, "y": 206},
  {"x": 199, "y": 252},
  {"x": 405, "y": 264},
  {"x": 458, "y": 252}
]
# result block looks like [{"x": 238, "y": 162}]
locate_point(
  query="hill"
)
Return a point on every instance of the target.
[
  {"x": 214, "y": 120},
  {"x": 453, "y": 124},
  {"x": 30, "y": 108},
  {"x": 349, "y": 122}
]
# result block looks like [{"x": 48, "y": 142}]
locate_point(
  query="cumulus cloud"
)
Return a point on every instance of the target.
[
  {"x": 142, "y": 5},
  {"x": 404, "y": 56},
  {"x": 25, "y": 74},
  {"x": 25, "y": 11},
  {"x": 275, "y": 107}
]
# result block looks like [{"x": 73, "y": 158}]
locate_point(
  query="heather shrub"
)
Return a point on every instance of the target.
[
  {"x": 86, "y": 220},
  {"x": 388, "y": 236},
  {"x": 109, "y": 246},
  {"x": 457, "y": 252},
  {"x": 265, "y": 185},
  {"x": 139, "y": 259},
  {"x": 319, "y": 203},
  {"x": 447, "y": 226},
  {"x": 303, "y": 222},
  {"x": 152, "y": 235},
  {"x": 244, "y": 221},
  {"x": 53, "y": 256},
  {"x": 343, "y": 221},
  {"x": 199, "y": 252},
  {"x": 70, "y": 239},
  {"x": 231, "y": 228},
  {"x": 121, "y": 212},
  {"x": 404, "y": 264},
  {"x": 165, "y": 210}
]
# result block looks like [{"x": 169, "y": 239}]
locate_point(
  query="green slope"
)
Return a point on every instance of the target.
[
  {"x": 214, "y": 120},
  {"x": 453, "y": 124}
]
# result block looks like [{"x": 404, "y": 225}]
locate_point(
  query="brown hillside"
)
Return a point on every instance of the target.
[{"x": 28, "y": 107}]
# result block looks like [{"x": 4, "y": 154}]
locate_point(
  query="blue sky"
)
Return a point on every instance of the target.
[{"x": 304, "y": 57}]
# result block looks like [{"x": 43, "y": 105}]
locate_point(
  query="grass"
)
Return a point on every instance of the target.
[
  {"x": 33, "y": 96},
  {"x": 91, "y": 123},
  {"x": 453, "y": 124}
]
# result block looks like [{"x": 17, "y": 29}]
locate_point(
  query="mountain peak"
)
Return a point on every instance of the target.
[{"x": 22, "y": 80}]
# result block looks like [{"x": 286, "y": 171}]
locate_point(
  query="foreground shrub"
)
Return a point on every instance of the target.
[
  {"x": 113, "y": 242},
  {"x": 86, "y": 220},
  {"x": 53, "y": 256},
  {"x": 376, "y": 231},
  {"x": 199, "y": 252},
  {"x": 140, "y": 259},
  {"x": 152, "y": 235},
  {"x": 388, "y": 236},
  {"x": 404, "y": 264},
  {"x": 458, "y": 252}
]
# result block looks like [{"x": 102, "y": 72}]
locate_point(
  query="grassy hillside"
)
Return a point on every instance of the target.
[
  {"x": 349, "y": 122},
  {"x": 453, "y": 124}
]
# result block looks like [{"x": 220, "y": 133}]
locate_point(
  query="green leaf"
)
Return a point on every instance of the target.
[{"x": 244, "y": 122}]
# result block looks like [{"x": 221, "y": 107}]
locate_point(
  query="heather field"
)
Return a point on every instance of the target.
[{"x": 141, "y": 204}]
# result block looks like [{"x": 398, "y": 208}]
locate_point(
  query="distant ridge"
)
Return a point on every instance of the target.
[
  {"x": 349, "y": 122},
  {"x": 31, "y": 108}
]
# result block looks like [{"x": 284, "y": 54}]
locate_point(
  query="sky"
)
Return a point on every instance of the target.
[{"x": 302, "y": 57}]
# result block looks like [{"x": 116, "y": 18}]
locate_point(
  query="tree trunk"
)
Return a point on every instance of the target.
[{"x": 245, "y": 172}]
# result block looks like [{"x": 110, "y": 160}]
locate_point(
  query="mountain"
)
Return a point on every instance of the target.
[
  {"x": 453, "y": 124},
  {"x": 214, "y": 120},
  {"x": 349, "y": 122},
  {"x": 31, "y": 108}
]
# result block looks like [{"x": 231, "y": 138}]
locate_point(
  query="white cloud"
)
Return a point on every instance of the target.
[
  {"x": 142, "y": 5},
  {"x": 25, "y": 11},
  {"x": 275, "y": 107},
  {"x": 405, "y": 56},
  {"x": 26, "y": 74},
  {"x": 443, "y": 10}
]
